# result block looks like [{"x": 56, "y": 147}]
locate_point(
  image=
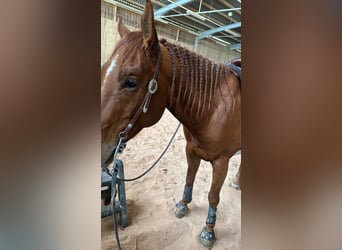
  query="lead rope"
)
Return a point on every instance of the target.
[
  {"x": 113, "y": 215},
  {"x": 119, "y": 150},
  {"x": 158, "y": 159}
]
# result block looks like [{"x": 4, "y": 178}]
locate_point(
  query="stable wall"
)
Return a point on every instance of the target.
[{"x": 110, "y": 36}]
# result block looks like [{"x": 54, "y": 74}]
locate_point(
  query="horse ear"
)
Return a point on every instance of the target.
[
  {"x": 123, "y": 30},
  {"x": 147, "y": 26}
]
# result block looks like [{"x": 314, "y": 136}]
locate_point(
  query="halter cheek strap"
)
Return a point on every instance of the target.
[{"x": 151, "y": 89}]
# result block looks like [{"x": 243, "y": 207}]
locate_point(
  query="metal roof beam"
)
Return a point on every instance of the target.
[
  {"x": 158, "y": 13},
  {"x": 222, "y": 10},
  {"x": 219, "y": 29},
  {"x": 235, "y": 46}
]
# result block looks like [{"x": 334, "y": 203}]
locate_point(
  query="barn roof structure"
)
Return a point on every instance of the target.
[{"x": 218, "y": 20}]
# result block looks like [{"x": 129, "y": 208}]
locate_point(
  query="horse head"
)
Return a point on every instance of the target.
[{"x": 125, "y": 82}]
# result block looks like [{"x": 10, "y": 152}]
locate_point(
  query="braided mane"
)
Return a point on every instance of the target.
[{"x": 199, "y": 78}]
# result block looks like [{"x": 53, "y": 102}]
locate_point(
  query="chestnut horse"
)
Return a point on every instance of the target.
[{"x": 144, "y": 76}]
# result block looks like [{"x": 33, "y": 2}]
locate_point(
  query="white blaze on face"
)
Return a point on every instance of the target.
[{"x": 111, "y": 66}]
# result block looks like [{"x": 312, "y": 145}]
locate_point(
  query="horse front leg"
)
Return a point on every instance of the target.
[
  {"x": 193, "y": 164},
  {"x": 220, "y": 168}
]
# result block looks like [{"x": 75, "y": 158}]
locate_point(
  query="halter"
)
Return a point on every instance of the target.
[
  {"x": 143, "y": 108},
  {"x": 151, "y": 89}
]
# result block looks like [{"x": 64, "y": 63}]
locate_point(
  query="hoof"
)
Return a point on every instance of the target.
[
  {"x": 180, "y": 210},
  {"x": 207, "y": 238},
  {"x": 237, "y": 187}
]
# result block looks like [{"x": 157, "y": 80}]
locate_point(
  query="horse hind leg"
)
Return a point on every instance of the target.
[
  {"x": 236, "y": 180},
  {"x": 220, "y": 168},
  {"x": 193, "y": 164}
]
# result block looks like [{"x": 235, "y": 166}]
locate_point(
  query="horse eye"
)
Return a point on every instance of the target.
[{"x": 129, "y": 84}]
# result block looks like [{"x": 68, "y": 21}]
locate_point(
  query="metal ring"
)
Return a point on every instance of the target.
[{"x": 122, "y": 135}]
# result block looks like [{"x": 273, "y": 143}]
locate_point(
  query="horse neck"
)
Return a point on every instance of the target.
[{"x": 194, "y": 85}]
